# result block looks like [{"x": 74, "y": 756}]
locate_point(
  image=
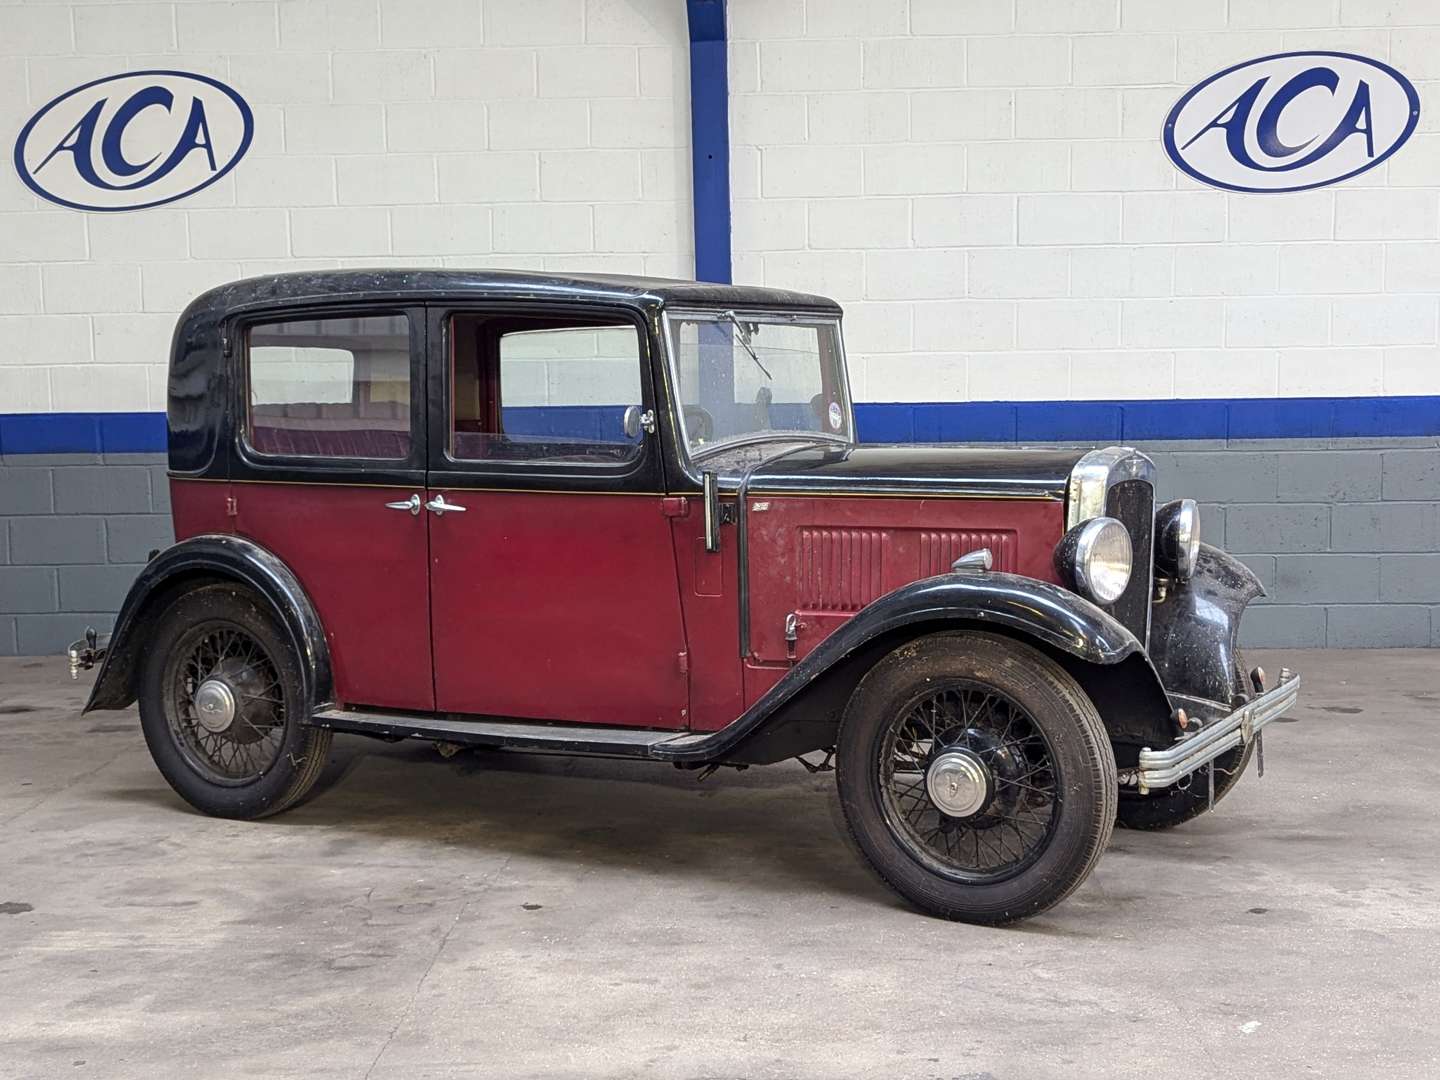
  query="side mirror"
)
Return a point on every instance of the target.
[
  {"x": 636, "y": 421},
  {"x": 712, "y": 512}
]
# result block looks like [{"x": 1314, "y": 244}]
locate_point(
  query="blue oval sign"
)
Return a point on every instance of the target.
[
  {"x": 1291, "y": 122},
  {"x": 127, "y": 142}
]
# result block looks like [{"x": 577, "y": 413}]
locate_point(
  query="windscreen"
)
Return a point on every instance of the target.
[{"x": 745, "y": 376}]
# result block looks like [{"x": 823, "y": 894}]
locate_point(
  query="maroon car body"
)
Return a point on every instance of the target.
[{"x": 610, "y": 515}]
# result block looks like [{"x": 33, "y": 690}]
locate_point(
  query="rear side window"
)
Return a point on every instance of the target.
[{"x": 330, "y": 388}]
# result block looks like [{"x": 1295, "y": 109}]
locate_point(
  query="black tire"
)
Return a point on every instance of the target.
[
  {"x": 1065, "y": 750},
  {"x": 1184, "y": 802},
  {"x": 265, "y": 760}
]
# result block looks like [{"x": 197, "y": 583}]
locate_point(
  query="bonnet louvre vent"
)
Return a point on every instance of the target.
[{"x": 844, "y": 569}]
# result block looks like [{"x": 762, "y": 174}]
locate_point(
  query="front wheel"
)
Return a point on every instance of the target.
[
  {"x": 976, "y": 777},
  {"x": 222, "y": 704}
]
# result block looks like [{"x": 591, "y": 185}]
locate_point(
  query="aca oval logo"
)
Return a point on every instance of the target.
[
  {"x": 127, "y": 142},
  {"x": 1291, "y": 122}
]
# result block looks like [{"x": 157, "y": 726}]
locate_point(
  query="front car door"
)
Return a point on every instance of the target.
[
  {"x": 553, "y": 578},
  {"x": 329, "y": 470}
]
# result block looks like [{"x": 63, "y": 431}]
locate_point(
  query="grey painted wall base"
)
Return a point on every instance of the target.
[
  {"x": 75, "y": 529},
  {"x": 1345, "y": 535}
]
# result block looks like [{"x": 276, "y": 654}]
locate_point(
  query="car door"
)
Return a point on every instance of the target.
[
  {"x": 553, "y": 589},
  {"x": 329, "y": 471}
]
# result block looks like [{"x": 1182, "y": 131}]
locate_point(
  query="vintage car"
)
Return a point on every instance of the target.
[{"x": 629, "y": 517}]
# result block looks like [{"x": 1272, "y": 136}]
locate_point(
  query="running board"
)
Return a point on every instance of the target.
[{"x": 514, "y": 734}]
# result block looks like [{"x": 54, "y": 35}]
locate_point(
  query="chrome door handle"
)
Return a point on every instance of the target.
[
  {"x": 438, "y": 506},
  {"x": 412, "y": 504}
]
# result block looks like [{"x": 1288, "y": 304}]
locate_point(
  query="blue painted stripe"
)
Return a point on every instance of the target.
[
  {"x": 710, "y": 138},
  {"x": 952, "y": 421}
]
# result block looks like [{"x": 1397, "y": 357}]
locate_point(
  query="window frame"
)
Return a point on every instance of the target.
[
  {"x": 253, "y": 464},
  {"x": 694, "y": 468},
  {"x": 643, "y": 472}
]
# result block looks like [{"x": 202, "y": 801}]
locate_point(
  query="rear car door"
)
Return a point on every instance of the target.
[
  {"x": 329, "y": 474},
  {"x": 552, "y": 580}
]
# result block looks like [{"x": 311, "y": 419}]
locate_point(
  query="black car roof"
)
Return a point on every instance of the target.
[{"x": 322, "y": 286}]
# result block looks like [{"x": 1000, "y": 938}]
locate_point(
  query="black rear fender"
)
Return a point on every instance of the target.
[{"x": 195, "y": 563}]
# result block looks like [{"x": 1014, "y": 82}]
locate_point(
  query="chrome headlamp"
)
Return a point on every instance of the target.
[
  {"x": 1177, "y": 538},
  {"x": 1095, "y": 558}
]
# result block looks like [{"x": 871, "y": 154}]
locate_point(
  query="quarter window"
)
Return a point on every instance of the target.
[{"x": 331, "y": 388}]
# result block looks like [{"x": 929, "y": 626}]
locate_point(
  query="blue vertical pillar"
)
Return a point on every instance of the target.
[{"x": 710, "y": 138}]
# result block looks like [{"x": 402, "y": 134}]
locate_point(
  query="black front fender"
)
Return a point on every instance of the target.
[
  {"x": 806, "y": 703},
  {"x": 205, "y": 560},
  {"x": 1194, "y": 631}
]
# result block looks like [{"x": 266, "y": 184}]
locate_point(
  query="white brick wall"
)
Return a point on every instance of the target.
[
  {"x": 1017, "y": 228},
  {"x": 981, "y": 183},
  {"x": 542, "y": 134}
]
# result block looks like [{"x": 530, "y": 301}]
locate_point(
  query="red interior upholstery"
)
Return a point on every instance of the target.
[{"x": 312, "y": 429}]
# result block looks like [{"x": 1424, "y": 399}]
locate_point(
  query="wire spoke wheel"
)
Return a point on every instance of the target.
[
  {"x": 968, "y": 782},
  {"x": 225, "y": 704}
]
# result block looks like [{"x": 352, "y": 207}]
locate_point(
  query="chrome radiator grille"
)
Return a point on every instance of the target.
[{"x": 1132, "y": 503}]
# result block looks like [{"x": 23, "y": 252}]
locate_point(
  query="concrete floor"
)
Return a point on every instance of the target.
[{"x": 503, "y": 916}]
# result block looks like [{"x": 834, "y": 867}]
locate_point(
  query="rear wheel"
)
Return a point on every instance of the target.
[
  {"x": 976, "y": 777},
  {"x": 222, "y": 703}
]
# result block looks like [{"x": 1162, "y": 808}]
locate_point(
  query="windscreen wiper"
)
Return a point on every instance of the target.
[{"x": 745, "y": 340}]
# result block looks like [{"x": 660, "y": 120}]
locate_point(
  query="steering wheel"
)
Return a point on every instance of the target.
[{"x": 699, "y": 424}]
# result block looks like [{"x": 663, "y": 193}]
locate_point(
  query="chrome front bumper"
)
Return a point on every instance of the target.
[{"x": 1161, "y": 768}]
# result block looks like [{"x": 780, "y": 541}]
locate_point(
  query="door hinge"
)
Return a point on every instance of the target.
[
  {"x": 684, "y": 659},
  {"x": 675, "y": 506},
  {"x": 232, "y": 507},
  {"x": 792, "y": 635}
]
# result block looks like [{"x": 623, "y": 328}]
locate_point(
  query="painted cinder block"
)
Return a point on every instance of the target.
[
  {"x": 1411, "y": 474},
  {"x": 90, "y": 588},
  {"x": 50, "y": 635},
  {"x": 1215, "y": 476},
  {"x": 386, "y": 77},
  {"x": 333, "y": 129},
  {"x": 129, "y": 538},
  {"x": 53, "y": 541},
  {"x": 36, "y": 31},
  {"x": 1395, "y": 526},
  {"x": 347, "y": 231},
  {"x": 485, "y": 74},
  {"x": 869, "y": 117},
  {"x": 239, "y": 234},
  {"x": 248, "y": 26},
  {"x": 440, "y": 230},
  {"x": 1377, "y": 626},
  {"x": 1293, "y": 626},
  {"x": 104, "y": 489},
  {"x": 438, "y": 126},
  {"x": 536, "y": 22},
  {"x": 909, "y": 63},
  {"x": 1326, "y": 579},
  {"x": 26, "y": 490},
  {"x": 1282, "y": 527},
  {"x": 1410, "y": 578},
  {"x": 1018, "y": 61},
  {"x": 1069, "y": 219},
  {"x": 1326, "y": 476},
  {"x": 935, "y": 169},
  {"x": 422, "y": 24},
  {"x": 29, "y": 589}
]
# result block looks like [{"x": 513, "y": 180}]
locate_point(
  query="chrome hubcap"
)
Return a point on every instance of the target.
[
  {"x": 215, "y": 705},
  {"x": 958, "y": 783}
]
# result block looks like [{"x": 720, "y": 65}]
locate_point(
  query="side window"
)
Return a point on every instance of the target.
[
  {"x": 541, "y": 392},
  {"x": 330, "y": 388}
]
